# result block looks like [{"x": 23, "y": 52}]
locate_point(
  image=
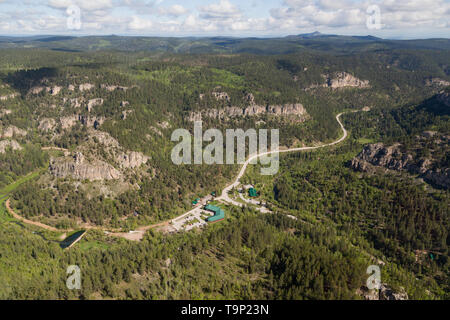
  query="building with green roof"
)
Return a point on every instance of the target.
[
  {"x": 219, "y": 214},
  {"x": 252, "y": 193}
]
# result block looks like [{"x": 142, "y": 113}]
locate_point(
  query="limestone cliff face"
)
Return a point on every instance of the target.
[
  {"x": 382, "y": 156},
  {"x": 5, "y": 112},
  {"x": 93, "y": 103},
  {"x": 393, "y": 158},
  {"x": 250, "y": 111},
  {"x": 12, "y": 131},
  {"x": 105, "y": 139},
  {"x": 46, "y": 124},
  {"x": 55, "y": 90},
  {"x": 86, "y": 87},
  {"x": 8, "y": 96},
  {"x": 221, "y": 96},
  {"x": 78, "y": 168},
  {"x": 108, "y": 160},
  {"x": 344, "y": 79},
  {"x": 132, "y": 160},
  {"x": 384, "y": 293},
  {"x": 111, "y": 88},
  {"x": 437, "y": 82},
  {"x": 70, "y": 121},
  {"x": 13, "y": 144},
  {"x": 341, "y": 80}
]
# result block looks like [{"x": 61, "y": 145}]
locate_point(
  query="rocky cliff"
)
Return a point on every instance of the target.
[
  {"x": 437, "y": 82},
  {"x": 253, "y": 110},
  {"x": 12, "y": 131},
  {"x": 78, "y": 168},
  {"x": 108, "y": 160},
  {"x": 399, "y": 158},
  {"x": 343, "y": 80},
  {"x": 47, "y": 124},
  {"x": 13, "y": 144},
  {"x": 384, "y": 293},
  {"x": 132, "y": 160}
]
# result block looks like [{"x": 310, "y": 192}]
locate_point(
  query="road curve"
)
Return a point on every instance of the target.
[
  {"x": 139, "y": 233},
  {"x": 225, "y": 197}
]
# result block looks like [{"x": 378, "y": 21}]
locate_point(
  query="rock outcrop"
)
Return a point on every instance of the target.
[
  {"x": 104, "y": 138},
  {"x": 75, "y": 102},
  {"x": 393, "y": 158},
  {"x": 93, "y": 103},
  {"x": 78, "y": 168},
  {"x": 382, "y": 156},
  {"x": 12, "y": 131},
  {"x": 55, "y": 90},
  {"x": 5, "y": 112},
  {"x": 47, "y": 124},
  {"x": 111, "y": 88},
  {"x": 13, "y": 144},
  {"x": 221, "y": 96},
  {"x": 125, "y": 114},
  {"x": 343, "y": 80},
  {"x": 250, "y": 111},
  {"x": 132, "y": 160},
  {"x": 86, "y": 87},
  {"x": 92, "y": 122},
  {"x": 8, "y": 96},
  {"x": 36, "y": 90},
  {"x": 437, "y": 82},
  {"x": 384, "y": 293},
  {"x": 68, "y": 122}
]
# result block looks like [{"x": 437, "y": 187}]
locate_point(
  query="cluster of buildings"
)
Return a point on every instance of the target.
[{"x": 218, "y": 213}]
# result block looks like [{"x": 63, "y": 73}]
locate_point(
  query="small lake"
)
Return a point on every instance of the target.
[{"x": 67, "y": 242}]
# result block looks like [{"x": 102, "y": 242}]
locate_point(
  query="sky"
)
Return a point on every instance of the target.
[{"x": 395, "y": 19}]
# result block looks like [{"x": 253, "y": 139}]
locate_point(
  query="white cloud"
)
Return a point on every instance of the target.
[
  {"x": 222, "y": 17},
  {"x": 87, "y": 5},
  {"x": 346, "y": 13},
  {"x": 221, "y": 10},
  {"x": 176, "y": 10},
  {"x": 138, "y": 23}
]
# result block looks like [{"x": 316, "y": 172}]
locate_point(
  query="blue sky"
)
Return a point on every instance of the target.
[{"x": 397, "y": 18}]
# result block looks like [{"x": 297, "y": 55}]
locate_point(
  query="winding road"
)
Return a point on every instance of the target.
[
  {"x": 139, "y": 233},
  {"x": 226, "y": 198}
]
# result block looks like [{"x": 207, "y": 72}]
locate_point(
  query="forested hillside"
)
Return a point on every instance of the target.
[{"x": 85, "y": 143}]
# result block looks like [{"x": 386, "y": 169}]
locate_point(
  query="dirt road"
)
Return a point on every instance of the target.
[
  {"x": 225, "y": 197},
  {"x": 34, "y": 223},
  {"x": 138, "y": 234}
]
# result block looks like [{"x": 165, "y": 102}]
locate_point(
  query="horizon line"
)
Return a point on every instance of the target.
[{"x": 217, "y": 36}]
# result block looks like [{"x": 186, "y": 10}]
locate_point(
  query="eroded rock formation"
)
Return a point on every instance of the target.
[
  {"x": 12, "y": 131},
  {"x": 393, "y": 158},
  {"x": 5, "y": 144},
  {"x": 250, "y": 111},
  {"x": 78, "y": 168},
  {"x": 132, "y": 160},
  {"x": 343, "y": 80}
]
